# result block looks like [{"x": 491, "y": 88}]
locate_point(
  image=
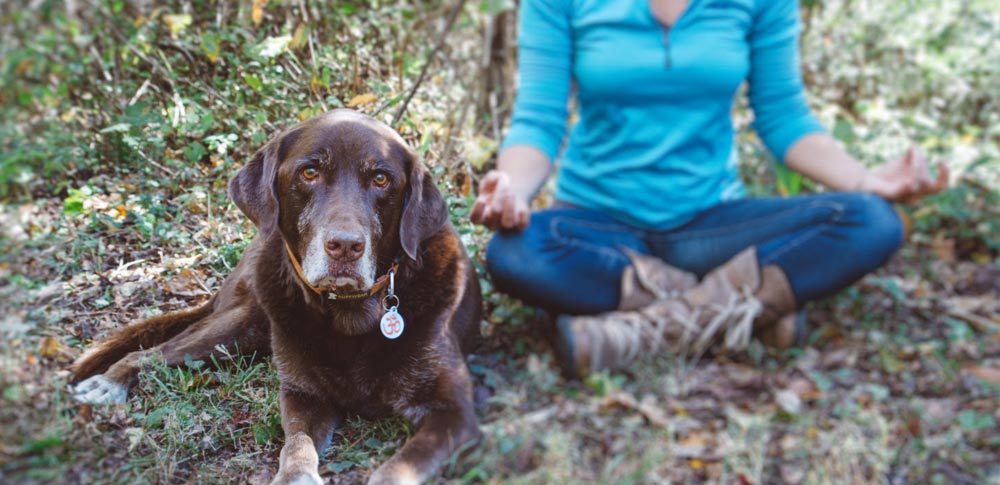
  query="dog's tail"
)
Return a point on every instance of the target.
[{"x": 143, "y": 335}]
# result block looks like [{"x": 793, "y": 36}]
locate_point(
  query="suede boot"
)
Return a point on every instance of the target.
[{"x": 727, "y": 305}]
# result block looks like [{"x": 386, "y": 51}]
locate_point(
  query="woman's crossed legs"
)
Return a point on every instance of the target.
[{"x": 570, "y": 260}]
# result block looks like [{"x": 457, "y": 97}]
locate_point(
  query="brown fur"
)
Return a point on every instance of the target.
[{"x": 330, "y": 356}]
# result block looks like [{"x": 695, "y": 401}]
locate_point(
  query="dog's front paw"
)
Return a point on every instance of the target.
[
  {"x": 297, "y": 478},
  {"x": 394, "y": 474},
  {"x": 299, "y": 462},
  {"x": 100, "y": 390}
]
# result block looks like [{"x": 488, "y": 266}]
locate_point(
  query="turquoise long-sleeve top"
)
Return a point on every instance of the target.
[{"x": 654, "y": 142}]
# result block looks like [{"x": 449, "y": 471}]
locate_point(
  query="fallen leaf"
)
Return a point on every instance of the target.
[
  {"x": 68, "y": 116},
  {"x": 119, "y": 419},
  {"x": 361, "y": 100},
  {"x": 210, "y": 46},
  {"x": 982, "y": 324},
  {"x": 788, "y": 401},
  {"x": 274, "y": 46},
  {"x": 86, "y": 412},
  {"x": 987, "y": 374},
  {"x": 186, "y": 283},
  {"x": 647, "y": 407},
  {"x": 792, "y": 474},
  {"x": 680, "y": 411},
  {"x": 177, "y": 22},
  {"x": 944, "y": 248},
  {"x": 692, "y": 440},
  {"x": 805, "y": 389},
  {"x": 479, "y": 150},
  {"x": 914, "y": 425},
  {"x": 51, "y": 348},
  {"x": 298, "y": 37},
  {"x": 257, "y": 12}
]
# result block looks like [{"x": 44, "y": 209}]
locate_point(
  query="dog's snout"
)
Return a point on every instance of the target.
[{"x": 345, "y": 246}]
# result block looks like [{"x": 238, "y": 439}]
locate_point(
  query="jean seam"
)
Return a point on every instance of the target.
[
  {"x": 794, "y": 243},
  {"x": 681, "y": 234},
  {"x": 601, "y": 226},
  {"x": 579, "y": 243}
]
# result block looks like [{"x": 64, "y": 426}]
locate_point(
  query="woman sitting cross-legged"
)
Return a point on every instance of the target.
[{"x": 651, "y": 244}]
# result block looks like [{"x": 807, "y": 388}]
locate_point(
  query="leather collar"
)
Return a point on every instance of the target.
[{"x": 377, "y": 287}]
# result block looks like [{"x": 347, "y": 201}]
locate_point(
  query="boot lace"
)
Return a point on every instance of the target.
[{"x": 618, "y": 338}]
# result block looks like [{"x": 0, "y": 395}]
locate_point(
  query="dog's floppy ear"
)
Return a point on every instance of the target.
[
  {"x": 424, "y": 212},
  {"x": 253, "y": 191}
]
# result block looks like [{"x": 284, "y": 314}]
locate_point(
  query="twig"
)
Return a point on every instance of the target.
[
  {"x": 152, "y": 162},
  {"x": 982, "y": 324},
  {"x": 138, "y": 94},
  {"x": 451, "y": 133},
  {"x": 430, "y": 57},
  {"x": 534, "y": 418}
]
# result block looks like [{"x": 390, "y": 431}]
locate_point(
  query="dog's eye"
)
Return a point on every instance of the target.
[
  {"x": 310, "y": 173},
  {"x": 381, "y": 179}
]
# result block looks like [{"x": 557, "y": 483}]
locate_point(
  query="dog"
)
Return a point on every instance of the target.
[{"x": 356, "y": 284}]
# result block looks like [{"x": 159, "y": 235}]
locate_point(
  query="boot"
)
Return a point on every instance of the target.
[
  {"x": 649, "y": 279},
  {"x": 779, "y": 326},
  {"x": 729, "y": 303},
  {"x": 646, "y": 280}
]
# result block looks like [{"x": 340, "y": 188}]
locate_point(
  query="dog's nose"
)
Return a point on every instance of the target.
[{"x": 345, "y": 246}]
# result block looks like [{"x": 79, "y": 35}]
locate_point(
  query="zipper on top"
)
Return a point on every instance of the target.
[{"x": 666, "y": 45}]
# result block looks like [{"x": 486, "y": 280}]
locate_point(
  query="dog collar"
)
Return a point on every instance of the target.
[{"x": 378, "y": 286}]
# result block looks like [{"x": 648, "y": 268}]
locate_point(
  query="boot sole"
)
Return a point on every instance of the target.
[{"x": 564, "y": 347}]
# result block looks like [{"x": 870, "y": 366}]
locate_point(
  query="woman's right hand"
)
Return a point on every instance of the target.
[{"x": 498, "y": 206}]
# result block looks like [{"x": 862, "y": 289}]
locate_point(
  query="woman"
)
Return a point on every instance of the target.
[{"x": 648, "y": 195}]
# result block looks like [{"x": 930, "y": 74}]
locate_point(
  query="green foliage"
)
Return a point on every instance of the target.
[
  {"x": 197, "y": 409},
  {"x": 882, "y": 77},
  {"x": 172, "y": 95}
]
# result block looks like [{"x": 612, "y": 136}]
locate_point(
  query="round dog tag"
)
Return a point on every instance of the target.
[{"x": 392, "y": 324}]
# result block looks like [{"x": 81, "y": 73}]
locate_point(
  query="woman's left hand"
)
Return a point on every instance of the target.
[{"x": 906, "y": 179}]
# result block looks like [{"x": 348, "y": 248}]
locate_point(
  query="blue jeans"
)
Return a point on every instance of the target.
[{"x": 570, "y": 260}]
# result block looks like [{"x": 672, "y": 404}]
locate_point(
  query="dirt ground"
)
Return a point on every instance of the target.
[{"x": 899, "y": 381}]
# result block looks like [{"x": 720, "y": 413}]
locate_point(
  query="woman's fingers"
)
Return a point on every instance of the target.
[
  {"x": 491, "y": 181},
  {"x": 908, "y": 178},
  {"x": 497, "y": 207},
  {"x": 478, "y": 210},
  {"x": 484, "y": 210},
  {"x": 522, "y": 217},
  {"x": 943, "y": 177},
  {"x": 896, "y": 189},
  {"x": 514, "y": 214},
  {"x": 507, "y": 216}
]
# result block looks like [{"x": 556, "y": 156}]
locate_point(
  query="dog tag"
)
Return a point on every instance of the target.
[{"x": 392, "y": 324}]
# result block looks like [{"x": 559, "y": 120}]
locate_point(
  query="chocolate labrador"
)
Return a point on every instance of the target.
[{"x": 356, "y": 283}]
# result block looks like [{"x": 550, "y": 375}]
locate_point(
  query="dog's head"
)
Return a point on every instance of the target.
[{"x": 345, "y": 193}]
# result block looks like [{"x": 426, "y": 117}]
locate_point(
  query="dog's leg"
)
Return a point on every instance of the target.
[
  {"x": 308, "y": 422},
  {"x": 145, "y": 334},
  {"x": 245, "y": 326},
  {"x": 449, "y": 427}
]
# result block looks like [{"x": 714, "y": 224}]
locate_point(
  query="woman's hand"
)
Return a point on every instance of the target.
[
  {"x": 906, "y": 179},
  {"x": 498, "y": 206}
]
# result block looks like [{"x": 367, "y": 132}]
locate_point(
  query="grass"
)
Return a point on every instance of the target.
[{"x": 119, "y": 133}]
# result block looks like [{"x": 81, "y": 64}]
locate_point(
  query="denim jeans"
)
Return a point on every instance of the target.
[{"x": 570, "y": 259}]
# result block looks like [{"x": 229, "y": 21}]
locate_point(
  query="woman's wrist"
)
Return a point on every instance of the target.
[
  {"x": 526, "y": 167},
  {"x": 865, "y": 183}
]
